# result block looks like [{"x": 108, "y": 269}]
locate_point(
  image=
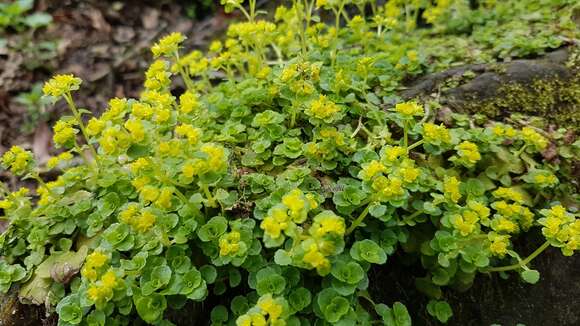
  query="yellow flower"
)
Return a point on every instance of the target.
[
  {"x": 193, "y": 134},
  {"x": 326, "y": 223},
  {"x": 17, "y": 160},
  {"x": 144, "y": 222},
  {"x": 229, "y": 244},
  {"x": 269, "y": 306},
  {"x": 297, "y": 204},
  {"x": 142, "y": 110},
  {"x": 217, "y": 159},
  {"x": 503, "y": 224},
  {"x": 193, "y": 168},
  {"x": 532, "y": 137},
  {"x": 388, "y": 188},
  {"x": 545, "y": 179},
  {"x": 64, "y": 133},
  {"x": 316, "y": 259},
  {"x": 63, "y": 157},
  {"x": 117, "y": 107},
  {"x": 504, "y": 131},
  {"x": 127, "y": 215},
  {"x": 251, "y": 319},
  {"x": 95, "y": 126},
  {"x": 509, "y": 193},
  {"x": 162, "y": 115},
  {"x": 168, "y": 45},
  {"x": 499, "y": 244},
  {"x": 5, "y": 204},
  {"x": 96, "y": 293},
  {"x": 157, "y": 76},
  {"x": 466, "y": 222},
  {"x": 60, "y": 85},
  {"x": 371, "y": 169},
  {"x": 409, "y": 109},
  {"x": 393, "y": 153},
  {"x": 149, "y": 193},
  {"x": 468, "y": 153},
  {"x": 92, "y": 262},
  {"x": 435, "y": 134},
  {"x": 188, "y": 102},
  {"x": 276, "y": 222},
  {"x": 165, "y": 198},
  {"x": 140, "y": 182},
  {"x": 323, "y": 109},
  {"x": 136, "y": 130},
  {"x": 408, "y": 172},
  {"x": 215, "y": 46},
  {"x": 109, "y": 279},
  {"x": 451, "y": 189}
]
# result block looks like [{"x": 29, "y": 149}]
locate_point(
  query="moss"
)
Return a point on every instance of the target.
[{"x": 556, "y": 100}]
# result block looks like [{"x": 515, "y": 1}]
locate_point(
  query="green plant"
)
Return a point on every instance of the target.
[
  {"x": 287, "y": 181},
  {"x": 14, "y": 15},
  {"x": 36, "y": 108}
]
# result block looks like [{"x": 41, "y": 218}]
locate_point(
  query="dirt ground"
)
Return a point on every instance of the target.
[{"x": 106, "y": 43}]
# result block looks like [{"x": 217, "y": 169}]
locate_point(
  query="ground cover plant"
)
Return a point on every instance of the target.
[{"x": 278, "y": 168}]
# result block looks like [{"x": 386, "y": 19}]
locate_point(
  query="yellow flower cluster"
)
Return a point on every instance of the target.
[
  {"x": 64, "y": 133},
  {"x": 56, "y": 160},
  {"x": 252, "y": 33},
  {"x": 60, "y": 85},
  {"x": 168, "y": 45},
  {"x": 45, "y": 193},
  {"x": 229, "y": 243},
  {"x": 509, "y": 194},
  {"x": 435, "y": 134},
  {"x": 323, "y": 109},
  {"x": 533, "y": 138},
  {"x": 17, "y": 160},
  {"x": 407, "y": 171},
  {"x": 92, "y": 264},
  {"x": 433, "y": 13},
  {"x": 388, "y": 188},
  {"x": 193, "y": 134},
  {"x": 293, "y": 210},
  {"x": 117, "y": 109},
  {"x": 141, "y": 220},
  {"x": 136, "y": 130},
  {"x": 468, "y": 220},
  {"x": 188, "y": 102},
  {"x": 95, "y": 126},
  {"x": 268, "y": 311},
  {"x": 325, "y": 223},
  {"x": 113, "y": 139},
  {"x": 499, "y": 244},
  {"x": 504, "y": 131},
  {"x": 451, "y": 189},
  {"x": 545, "y": 179},
  {"x": 102, "y": 291},
  {"x": 315, "y": 258},
  {"x": 371, "y": 169},
  {"x": 561, "y": 227},
  {"x": 468, "y": 153},
  {"x": 508, "y": 214},
  {"x": 393, "y": 153},
  {"x": 409, "y": 109},
  {"x": 157, "y": 77}
]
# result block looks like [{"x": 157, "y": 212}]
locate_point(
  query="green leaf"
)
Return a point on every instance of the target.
[
  {"x": 440, "y": 310},
  {"x": 530, "y": 276},
  {"x": 368, "y": 250},
  {"x": 219, "y": 314},
  {"x": 150, "y": 308}
]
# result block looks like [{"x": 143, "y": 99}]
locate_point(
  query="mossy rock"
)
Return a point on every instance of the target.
[{"x": 547, "y": 86}]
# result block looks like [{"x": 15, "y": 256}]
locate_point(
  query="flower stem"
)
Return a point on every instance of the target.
[
  {"x": 419, "y": 143},
  {"x": 522, "y": 263},
  {"x": 78, "y": 117},
  {"x": 358, "y": 221},
  {"x": 210, "y": 199}
]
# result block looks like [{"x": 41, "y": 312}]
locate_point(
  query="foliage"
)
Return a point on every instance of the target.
[
  {"x": 13, "y": 15},
  {"x": 284, "y": 172}
]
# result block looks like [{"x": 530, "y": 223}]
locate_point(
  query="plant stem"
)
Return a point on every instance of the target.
[
  {"x": 210, "y": 199},
  {"x": 186, "y": 79},
  {"x": 522, "y": 263},
  {"x": 358, "y": 221},
  {"x": 406, "y": 134},
  {"x": 78, "y": 117},
  {"x": 419, "y": 143}
]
